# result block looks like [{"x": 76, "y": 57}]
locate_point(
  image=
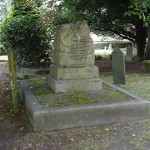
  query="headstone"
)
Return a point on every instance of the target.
[
  {"x": 129, "y": 53},
  {"x": 73, "y": 68},
  {"x": 4, "y": 67},
  {"x": 110, "y": 47},
  {"x": 118, "y": 66}
]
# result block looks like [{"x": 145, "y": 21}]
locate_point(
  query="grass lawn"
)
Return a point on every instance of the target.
[{"x": 136, "y": 83}]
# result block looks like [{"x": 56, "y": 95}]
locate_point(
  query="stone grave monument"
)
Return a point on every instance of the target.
[
  {"x": 129, "y": 53},
  {"x": 110, "y": 47},
  {"x": 73, "y": 66},
  {"x": 118, "y": 66}
]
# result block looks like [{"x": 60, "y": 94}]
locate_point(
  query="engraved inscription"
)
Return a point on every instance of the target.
[
  {"x": 79, "y": 70},
  {"x": 78, "y": 50}
]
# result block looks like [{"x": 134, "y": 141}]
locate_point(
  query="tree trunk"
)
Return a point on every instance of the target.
[
  {"x": 147, "y": 52},
  {"x": 140, "y": 41}
]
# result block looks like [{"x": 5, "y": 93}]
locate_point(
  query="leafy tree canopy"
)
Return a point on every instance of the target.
[
  {"x": 107, "y": 17},
  {"x": 4, "y": 8},
  {"x": 141, "y": 8}
]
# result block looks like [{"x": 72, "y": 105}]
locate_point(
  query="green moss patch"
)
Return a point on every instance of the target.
[
  {"x": 146, "y": 62},
  {"x": 107, "y": 95},
  {"x": 49, "y": 99},
  {"x": 39, "y": 87},
  {"x": 76, "y": 98},
  {"x": 38, "y": 83},
  {"x": 145, "y": 65}
]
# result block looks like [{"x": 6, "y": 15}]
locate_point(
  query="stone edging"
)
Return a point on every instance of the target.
[{"x": 47, "y": 119}]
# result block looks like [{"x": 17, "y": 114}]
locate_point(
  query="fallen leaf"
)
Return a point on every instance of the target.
[
  {"x": 131, "y": 142},
  {"x": 72, "y": 139},
  {"x": 107, "y": 129},
  {"x": 21, "y": 129},
  {"x": 114, "y": 134}
]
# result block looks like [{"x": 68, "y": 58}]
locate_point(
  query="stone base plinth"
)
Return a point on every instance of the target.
[
  {"x": 58, "y": 85},
  {"x": 58, "y": 72}
]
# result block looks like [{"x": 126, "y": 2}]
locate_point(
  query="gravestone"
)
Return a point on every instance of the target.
[
  {"x": 110, "y": 47},
  {"x": 118, "y": 66},
  {"x": 129, "y": 53},
  {"x": 73, "y": 66}
]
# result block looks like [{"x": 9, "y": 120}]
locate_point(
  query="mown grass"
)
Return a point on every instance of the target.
[{"x": 136, "y": 83}]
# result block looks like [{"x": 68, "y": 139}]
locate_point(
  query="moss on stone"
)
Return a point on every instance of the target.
[
  {"x": 38, "y": 83},
  {"x": 76, "y": 98},
  {"x": 47, "y": 98},
  {"x": 39, "y": 87}
]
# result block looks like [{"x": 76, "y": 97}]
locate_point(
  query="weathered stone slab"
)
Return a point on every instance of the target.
[
  {"x": 73, "y": 46},
  {"x": 129, "y": 53},
  {"x": 118, "y": 66},
  {"x": 4, "y": 67},
  {"x": 58, "y": 72},
  {"x": 64, "y": 86}
]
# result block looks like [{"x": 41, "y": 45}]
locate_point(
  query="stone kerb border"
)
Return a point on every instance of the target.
[
  {"x": 47, "y": 119},
  {"x": 4, "y": 65},
  {"x": 28, "y": 71}
]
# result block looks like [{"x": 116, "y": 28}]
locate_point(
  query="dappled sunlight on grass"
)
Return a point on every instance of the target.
[{"x": 136, "y": 83}]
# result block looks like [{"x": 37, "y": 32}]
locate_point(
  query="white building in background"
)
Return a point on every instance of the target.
[{"x": 97, "y": 38}]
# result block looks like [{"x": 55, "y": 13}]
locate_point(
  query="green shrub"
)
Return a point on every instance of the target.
[
  {"x": 146, "y": 65},
  {"x": 2, "y": 50},
  {"x": 98, "y": 57},
  {"x": 23, "y": 33}
]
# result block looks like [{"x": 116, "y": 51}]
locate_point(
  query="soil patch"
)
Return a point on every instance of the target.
[
  {"x": 12, "y": 126},
  {"x": 106, "y": 66}
]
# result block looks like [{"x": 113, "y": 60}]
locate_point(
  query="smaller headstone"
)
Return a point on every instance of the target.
[
  {"x": 118, "y": 66},
  {"x": 129, "y": 53},
  {"x": 110, "y": 47}
]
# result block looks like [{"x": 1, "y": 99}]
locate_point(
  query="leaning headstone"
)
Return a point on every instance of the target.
[
  {"x": 129, "y": 53},
  {"x": 118, "y": 66},
  {"x": 73, "y": 68}
]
